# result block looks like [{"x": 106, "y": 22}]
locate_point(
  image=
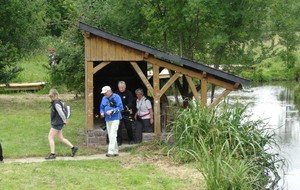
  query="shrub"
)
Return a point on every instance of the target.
[{"x": 230, "y": 149}]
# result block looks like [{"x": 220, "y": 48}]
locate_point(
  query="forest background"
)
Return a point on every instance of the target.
[{"x": 257, "y": 40}]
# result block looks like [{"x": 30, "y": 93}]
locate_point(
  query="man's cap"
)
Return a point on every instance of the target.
[
  {"x": 105, "y": 89},
  {"x": 52, "y": 49}
]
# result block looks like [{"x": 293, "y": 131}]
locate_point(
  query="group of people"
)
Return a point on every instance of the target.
[{"x": 116, "y": 108}]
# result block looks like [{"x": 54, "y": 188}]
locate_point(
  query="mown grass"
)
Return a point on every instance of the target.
[
  {"x": 25, "y": 123},
  {"x": 96, "y": 174},
  {"x": 24, "y": 126}
]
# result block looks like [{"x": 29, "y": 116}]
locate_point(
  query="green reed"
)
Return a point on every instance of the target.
[{"x": 230, "y": 149}]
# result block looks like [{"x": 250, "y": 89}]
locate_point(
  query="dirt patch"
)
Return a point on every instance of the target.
[
  {"x": 192, "y": 176},
  {"x": 32, "y": 97}
]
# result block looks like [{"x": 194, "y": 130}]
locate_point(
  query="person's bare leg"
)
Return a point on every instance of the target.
[
  {"x": 51, "y": 136},
  {"x": 64, "y": 140}
]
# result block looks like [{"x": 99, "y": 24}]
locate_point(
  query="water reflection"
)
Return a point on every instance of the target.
[{"x": 275, "y": 104}]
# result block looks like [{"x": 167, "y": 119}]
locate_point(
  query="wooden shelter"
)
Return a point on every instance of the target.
[{"x": 110, "y": 58}]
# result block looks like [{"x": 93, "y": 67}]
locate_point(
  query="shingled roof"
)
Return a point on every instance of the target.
[{"x": 196, "y": 66}]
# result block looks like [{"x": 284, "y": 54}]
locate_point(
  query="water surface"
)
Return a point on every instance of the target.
[{"x": 275, "y": 104}]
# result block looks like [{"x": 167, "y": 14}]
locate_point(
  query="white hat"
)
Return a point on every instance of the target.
[{"x": 105, "y": 89}]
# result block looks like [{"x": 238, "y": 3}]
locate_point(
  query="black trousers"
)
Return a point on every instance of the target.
[
  {"x": 1, "y": 153},
  {"x": 140, "y": 126},
  {"x": 128, "y": 125}
]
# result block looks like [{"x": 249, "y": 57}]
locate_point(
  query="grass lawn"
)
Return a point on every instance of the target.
[{"x": 24, "y": 126}]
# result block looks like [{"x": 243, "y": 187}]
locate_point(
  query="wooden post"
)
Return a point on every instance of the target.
[
  {"x": 204, "y": 92},
  {"x": 156, "y": 98},
  {"x": 89, "y": 94}
]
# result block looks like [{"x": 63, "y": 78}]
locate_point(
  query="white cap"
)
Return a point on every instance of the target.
[{"x": 105, "y": 89}]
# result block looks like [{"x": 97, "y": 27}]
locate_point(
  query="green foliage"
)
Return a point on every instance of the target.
[
  {"x": 21, "y": 25},
  {"x": 70, "y": 71},
  {"x": 59, "y": 15},
  {"x": 230, "y": 149},
  {"x": 8, "y": 66},
  {"x": 297, "y": 96},
  {"x": 272, "y": 69}
]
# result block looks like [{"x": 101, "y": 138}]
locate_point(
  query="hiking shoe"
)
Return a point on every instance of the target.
[
  {"x": 131, "y": 142},
  {"x": 74, "y": 150},
  {"x": 110, "y": 155},
  {"x": 51, "y": 157},
  {"x": 116, "y": 154}
]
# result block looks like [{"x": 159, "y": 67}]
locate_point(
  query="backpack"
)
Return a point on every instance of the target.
[{"x": 66, "y": 109}]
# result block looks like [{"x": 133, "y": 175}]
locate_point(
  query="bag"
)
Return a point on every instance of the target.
[
  {"x": 66, "y": 109},
  {"x": 112, "y": 102}
]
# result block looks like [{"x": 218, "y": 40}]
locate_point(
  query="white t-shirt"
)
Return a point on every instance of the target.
[{"x": 143, "y": 105}]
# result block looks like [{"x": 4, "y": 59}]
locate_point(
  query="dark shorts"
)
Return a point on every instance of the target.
[{"x": 58, "y": 127}]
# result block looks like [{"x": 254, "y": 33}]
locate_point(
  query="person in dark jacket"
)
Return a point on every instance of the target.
[
  {"x": 1, "y": 154},
  {"x": 110, "y": 108},
  {"x": 127, "y": 100},
  {"x": 58, "y": 121}
]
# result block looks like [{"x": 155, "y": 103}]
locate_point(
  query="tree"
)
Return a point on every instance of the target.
[
  {"x": 285, "y": 16},
  {"x": 59, "y": 15},
  {"x": 8, "y": 57},
  {"x": 21, "y": 25},
  {"x": 217, "y": 32}
]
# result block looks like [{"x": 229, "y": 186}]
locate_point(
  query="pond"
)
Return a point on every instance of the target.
[{"x": 275, "y": 104}]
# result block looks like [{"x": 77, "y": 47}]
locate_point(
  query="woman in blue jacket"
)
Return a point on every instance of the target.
[{"x": 110, "y": 108}]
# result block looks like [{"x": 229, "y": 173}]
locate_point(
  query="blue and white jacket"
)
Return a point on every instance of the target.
[{"x": 106, "y": 106}]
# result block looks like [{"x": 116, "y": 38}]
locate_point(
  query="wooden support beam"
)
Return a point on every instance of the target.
[
  {"x": 204, "y": 92},
  {"x": 193, "y": 74},
  {"x": 173, "y": 67},
  {"x": 156, "y": 98},
  {"x": 100, "y": 66},
  {"x": 142, "y": 76},
  {"x": 218, "y": 99},
  {"x": 192, "y": 86},
  {"x": 217, "y": 82},
  {"x": 89, "y": 95},
  {"x": 237, "y": 85},
  {"x": 169, "y": 83}
]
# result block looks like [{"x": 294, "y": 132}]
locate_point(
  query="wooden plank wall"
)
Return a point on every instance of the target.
[{"x": 104, "y": 50}]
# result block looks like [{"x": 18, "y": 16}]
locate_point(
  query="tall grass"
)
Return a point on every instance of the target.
[
  {"x": 34, "y": 69},
  {"x": 229, "y": 148}
]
